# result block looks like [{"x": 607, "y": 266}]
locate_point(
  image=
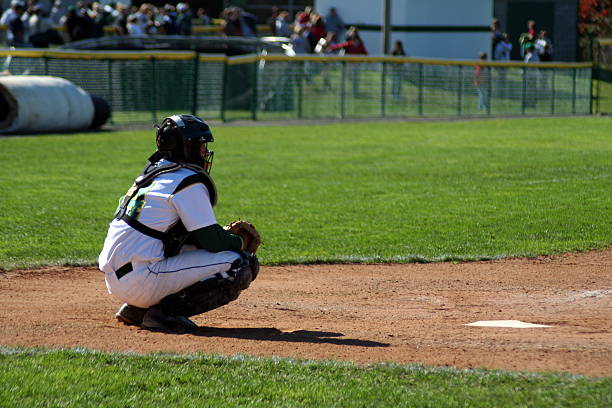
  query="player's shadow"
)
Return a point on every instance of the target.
[{"x": 272, "y": 334}]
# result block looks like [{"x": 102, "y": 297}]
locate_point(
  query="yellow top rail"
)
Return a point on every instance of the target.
[
  {"x": 429, "y": 61},
  {"x": 245, "y": 59},
  {"x": 95, "y": 55}
]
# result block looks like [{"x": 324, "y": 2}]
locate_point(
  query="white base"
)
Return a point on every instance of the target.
[{"x": 516, "y": 324}]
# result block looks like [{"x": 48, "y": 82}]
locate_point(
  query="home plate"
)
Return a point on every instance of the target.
[{"x": 516, "y": 324}]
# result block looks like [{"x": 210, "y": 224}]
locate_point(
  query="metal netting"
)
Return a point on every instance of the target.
[
  {"x": 25, "y": 65},
  {"x": 209, "y": 89},
  {"x": 148, "y": 88},
  {"x": 332, "y": 88}
]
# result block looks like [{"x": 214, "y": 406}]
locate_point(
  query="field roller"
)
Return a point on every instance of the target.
[{"x": 41, "y": 104}]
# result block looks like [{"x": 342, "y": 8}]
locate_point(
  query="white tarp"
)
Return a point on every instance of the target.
[{"x": 43, "y": 104}]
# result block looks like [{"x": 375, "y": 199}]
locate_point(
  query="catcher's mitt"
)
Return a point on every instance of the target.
[{"x": 250, "y": 236}]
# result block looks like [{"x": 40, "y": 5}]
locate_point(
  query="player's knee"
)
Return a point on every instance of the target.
[
  {"x": 215, "y": 292},
  {"x": 245, "y": 268}
]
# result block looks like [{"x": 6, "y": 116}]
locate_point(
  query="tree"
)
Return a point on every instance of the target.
[{"x": 594, "y": 21}]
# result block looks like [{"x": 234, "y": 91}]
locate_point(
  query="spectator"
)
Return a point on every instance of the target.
[
  {"x": 8, "y": 16},
  {"x": 481, "y": 83},
  {"x": 496, "y": 36},
  {"x": 77, "y": 25},
  {"x": 317, "y": 29},
  {"x": 531, "y": 29},
  {"x": 502, "y": 53},
  {"x": 299, "y": 40},
  {"x": 184, "y": 19},
  {"x": 9, "y": 13},
  {"x": 353, "y": 43},
  {"x": 25, "y": 18},
  {"x": 528, "y": 38},
  {"x": 532, "y": 55},
  {"x": 398, "y": 49},
  {"x": 334, "y": 23},
  {"x": 57, "y": 12},
  {"x": 168, "y": 20},
  {"x": 44, "y": 5},
  {"x": 397, "y": 70},
  {"x": 99, "y": 19},
  {"x": 134, "y": 27},
  {"x": 40, "y": 25},
  {"x": 15, "y": 35},
  {"x": 302, "y": 18},
  {"x": 202, "y": 17},
  {"x": 543, "y": 45},
  {"x": 331, "y": 38},
  {"x": 503, "y": 48},
  {"x": 232, "y": 27},
  {"x": 121, "y": 20},
  {"x": 153, "y": 26},
  {"x": 107, "y": 15},
  {"x": 271, "y": 21},
  {"x": 281, "y": 26},
  {"x": 249, "y": 23},
  {"x": 324, "y": 43},
  {"x": 545, "y": 55},
  {"x": 142, "y": 17},
  {"x": 239, "y": 23}
]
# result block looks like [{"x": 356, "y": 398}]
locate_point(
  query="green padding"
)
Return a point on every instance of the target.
[{"x": 215, "y": 239}]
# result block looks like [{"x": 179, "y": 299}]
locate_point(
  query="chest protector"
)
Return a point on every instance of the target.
[{"x": 177, "y": 235}]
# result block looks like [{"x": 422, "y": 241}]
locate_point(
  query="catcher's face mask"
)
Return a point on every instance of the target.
[
  {"x": 207, "y": 157},
  {"x": 185, "y": 138}
]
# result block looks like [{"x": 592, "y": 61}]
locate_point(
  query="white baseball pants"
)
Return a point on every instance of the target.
[{"x": 148, "y": 283}]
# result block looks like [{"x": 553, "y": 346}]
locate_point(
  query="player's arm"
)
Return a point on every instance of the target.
[
  {"x": 216, "y": 239},
  {"x": 195, "y": 211}
]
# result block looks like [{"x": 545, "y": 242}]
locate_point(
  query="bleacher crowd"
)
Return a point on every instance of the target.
[
  {"x": 37, "y": 22},
  {"x": 43, "y": 23}
]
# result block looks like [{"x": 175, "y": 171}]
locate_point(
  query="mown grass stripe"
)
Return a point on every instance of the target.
[
  {"x": 350, "y": 192},
  {"x": 90, "y": 378}
]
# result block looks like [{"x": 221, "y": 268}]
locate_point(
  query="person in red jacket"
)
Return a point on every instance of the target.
[
  {"x": 317, "y": 29},
  {"x": 352, "y": 46}
]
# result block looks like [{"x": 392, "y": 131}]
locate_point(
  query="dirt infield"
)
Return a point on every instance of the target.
[{"x": 363, "y": 313}]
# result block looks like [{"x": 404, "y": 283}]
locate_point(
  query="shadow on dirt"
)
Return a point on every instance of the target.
[{"x": 272, "y": 334}]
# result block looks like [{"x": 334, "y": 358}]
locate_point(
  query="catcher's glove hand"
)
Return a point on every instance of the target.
[{"x": 250, "y": 237}]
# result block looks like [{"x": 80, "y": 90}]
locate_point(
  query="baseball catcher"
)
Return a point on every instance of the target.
[{"x": 165, "y": 255}]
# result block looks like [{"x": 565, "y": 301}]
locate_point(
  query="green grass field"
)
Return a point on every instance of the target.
[
  {"x": 77, "y": 378},
  {"x": 351, "y": 192}
]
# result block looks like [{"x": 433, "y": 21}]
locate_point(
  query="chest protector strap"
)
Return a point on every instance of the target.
[{"x": 176, "y": 235}]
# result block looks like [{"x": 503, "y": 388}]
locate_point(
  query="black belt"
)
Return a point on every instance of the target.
[{"x": 124, "y": 270}]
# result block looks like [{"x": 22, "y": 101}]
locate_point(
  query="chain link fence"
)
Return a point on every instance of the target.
[
  {"x": 602, "y": 77},
  {"x": 144, "y": 87}
]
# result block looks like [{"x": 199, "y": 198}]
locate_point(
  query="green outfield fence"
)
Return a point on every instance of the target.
[{"x": 146, "y": 86}]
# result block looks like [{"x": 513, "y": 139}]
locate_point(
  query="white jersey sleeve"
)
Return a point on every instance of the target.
[{"x": 193, "y": 207}]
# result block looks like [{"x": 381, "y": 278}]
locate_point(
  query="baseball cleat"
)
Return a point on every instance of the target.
[
  {"x": 130, "y": 315},
  {"x": 156, "y": 320}
]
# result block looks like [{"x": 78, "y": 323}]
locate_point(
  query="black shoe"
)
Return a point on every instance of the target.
[
  {"x": 156, "y": 320},
  {"x": 130, "y": 315}
]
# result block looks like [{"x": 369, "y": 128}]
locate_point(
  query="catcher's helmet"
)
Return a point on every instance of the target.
[{"x": 185, "y": 138}]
